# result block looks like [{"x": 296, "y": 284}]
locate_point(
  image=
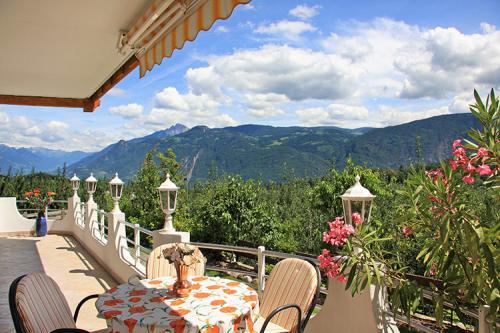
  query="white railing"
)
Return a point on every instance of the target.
[
  {"x": 101, "y": 220},
  {"x": 139, "y": 252},
  {"x": 80, "y": 215}
]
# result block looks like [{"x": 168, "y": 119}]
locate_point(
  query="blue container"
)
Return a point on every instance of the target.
[{"x": 41, "y": 225}]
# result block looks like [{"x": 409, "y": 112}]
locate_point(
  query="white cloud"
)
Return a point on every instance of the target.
[
  {"x": 222, "y": 28},
  {"x": 404, "y": 61},
  {"x": 57, "y": 125},
  {"x": 390, "y": 116},
  {"x": 285, "y": 29},
  {"x": 304, "y": 12},
  {"x": 354, "y": 116},
  {"x": 299, "y": 74},
  {"x": 129, "y": 111},
  {"x": 21, "y": 131},
  {"x": 248, "y": 6},
  {"x": 335, "y": 115},
  {"x": 117, "y": 92},
  {"x": 265, "y": 105},
  {"x": 172, "y": 107}
]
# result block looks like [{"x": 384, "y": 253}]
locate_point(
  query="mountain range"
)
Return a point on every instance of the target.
[
  {"x": 266, "y": 152},
  {"x": 41, "y": 159},
  {"x": 257, "y": 151}
]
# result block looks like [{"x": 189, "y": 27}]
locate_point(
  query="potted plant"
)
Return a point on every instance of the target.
[
  {"x": 40, "y": 201},
  {"x": 182, "y": 256}
]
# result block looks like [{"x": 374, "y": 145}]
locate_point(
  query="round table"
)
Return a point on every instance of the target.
[{"x": 214, "y": 305}]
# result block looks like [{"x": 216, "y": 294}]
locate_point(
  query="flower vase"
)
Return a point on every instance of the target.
[
  {"x": 41, "y": 225},
  {"x": 182, "y": 286}
]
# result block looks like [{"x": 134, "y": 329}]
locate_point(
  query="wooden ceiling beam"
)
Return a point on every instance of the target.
[
  {"x": 42, "y": 101},
  {"x": 88, "y": 104}
]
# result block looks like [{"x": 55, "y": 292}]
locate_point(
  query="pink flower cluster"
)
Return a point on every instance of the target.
[
  {"x": 437, "y": 174},
  {"x": 476, "y": 164},
  {"x": 330, "y": 265},
  {"x": 339, "y": 232},
  {"x": 356, "y": 218}
]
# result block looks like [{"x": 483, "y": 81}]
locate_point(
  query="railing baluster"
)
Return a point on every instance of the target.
[
  {"x": 102, "y": 225},
  {"x": 261, "y": 271},
  {"x": 137, "y": 243}
]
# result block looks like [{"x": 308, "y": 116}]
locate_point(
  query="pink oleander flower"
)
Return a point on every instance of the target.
[
  {"x": 356, "y": 218},
  {"x": 468, "y": 179},
  {"x": 484, "y": 170},
  {"x": 437, "y": 174},
  {"x": 456, "y": 143},
  {"x": 339, "y": 232},
  {"x": 482, "y": 152},
  {"x": 469, "y": 168},
  {"x": 454, "y": 164},
  {"x": 460, "y": 153},
  {"x": 407, "y": 231},
  {"x": 330, "y": 266}
]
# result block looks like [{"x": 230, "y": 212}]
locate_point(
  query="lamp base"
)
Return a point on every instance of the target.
[{"x": 161, "y": 237}]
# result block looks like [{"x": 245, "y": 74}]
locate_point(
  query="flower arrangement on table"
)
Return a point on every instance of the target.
[
  {"x": 182, "y": 256},
  {"x": 39, "y": 200}
]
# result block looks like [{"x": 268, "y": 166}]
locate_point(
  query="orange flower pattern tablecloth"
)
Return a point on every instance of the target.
[{"x": 214, "y": 305}]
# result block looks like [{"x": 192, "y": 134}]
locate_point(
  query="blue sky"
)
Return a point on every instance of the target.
[{"x": 285, "y": 62}]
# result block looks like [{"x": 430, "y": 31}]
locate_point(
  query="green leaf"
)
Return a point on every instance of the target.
[{"x": 352, "y": 274}]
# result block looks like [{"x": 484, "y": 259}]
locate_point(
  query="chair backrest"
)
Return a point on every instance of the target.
[
  {"x": 292, "y": 281},
  {"x": 38, "y": 305},
  {"x": 158, "y": 266}
]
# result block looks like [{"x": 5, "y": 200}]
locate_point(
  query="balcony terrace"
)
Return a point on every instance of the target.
[
  {"x": 66, "y": 261},
  {"x": 89, "y": 251}
]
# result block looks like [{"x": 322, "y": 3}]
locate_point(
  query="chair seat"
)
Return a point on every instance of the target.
[{"x": 271, "y": 327}]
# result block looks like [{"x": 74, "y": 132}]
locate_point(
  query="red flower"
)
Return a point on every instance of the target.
[
  {"x": 454, "y": 164},
  {"x": 356, "y": 218},
  {"x": 456, "y": 143},
  {"x": 36, "y": 190},
  {"x": 482, "y": 152},
  {"x": 407, "y": 231},
  {"x": 484, "y": 170},
  {"x": 51, "y": 194},
  {"x": 28, "y": 194},
  {"x": 468, "y": 179}
]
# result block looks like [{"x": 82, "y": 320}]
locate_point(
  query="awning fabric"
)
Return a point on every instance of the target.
[{"x": 168, "y": 24}]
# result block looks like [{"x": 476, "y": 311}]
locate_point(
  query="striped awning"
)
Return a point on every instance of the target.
[{"x": 168, "y": 24}]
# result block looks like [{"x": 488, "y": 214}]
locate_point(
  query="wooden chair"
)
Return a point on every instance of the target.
[
  {"x": 290, "y": 296},
  {"x": 37, "y": 305},
  {"x": 158, "y": 266}
]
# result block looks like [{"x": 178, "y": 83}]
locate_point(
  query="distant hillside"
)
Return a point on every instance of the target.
[
  {"x": 250, "y": 150},
  {"x": 396, "y": 145},
  {"x": 264, "y": 152},
  {"x": 42, "y": 159}
]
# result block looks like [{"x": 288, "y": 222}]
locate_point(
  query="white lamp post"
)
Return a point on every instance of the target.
[
  {"x": 75, "y": 184},
  {"x": 168, "y": 200},
  {"x": 357, "y": 199},
  {"x": 91, "y": 185},
  {"x": 116, "y": 189}
]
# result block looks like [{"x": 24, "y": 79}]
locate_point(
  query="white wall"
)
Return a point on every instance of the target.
[{"x": 112, "y": 254}]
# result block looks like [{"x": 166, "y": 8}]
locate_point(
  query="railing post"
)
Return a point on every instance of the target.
[
  {"x": 484, "y": 326},
  {"x": 261, "y": 269},
  {"x": 102, "y": 224},
  {"x": 137, "y": 243}
]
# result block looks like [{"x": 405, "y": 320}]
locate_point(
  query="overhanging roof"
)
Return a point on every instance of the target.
[{"x": 67, "y": 52}]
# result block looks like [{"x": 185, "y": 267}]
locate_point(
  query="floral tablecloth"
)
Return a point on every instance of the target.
[{"x": 214, "y": 305}]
